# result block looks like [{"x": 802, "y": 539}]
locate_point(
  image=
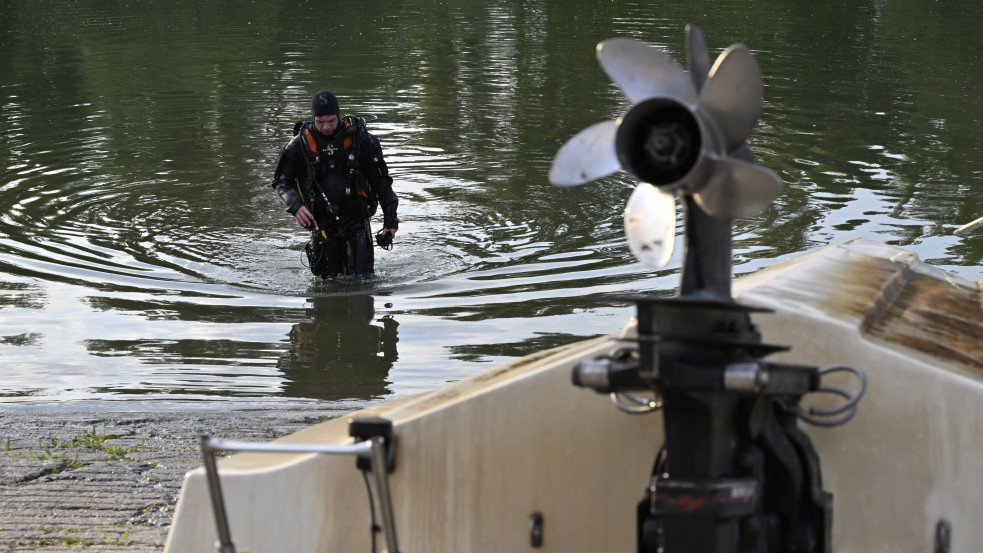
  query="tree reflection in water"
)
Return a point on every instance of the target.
[{"x": 340, "y": 352}]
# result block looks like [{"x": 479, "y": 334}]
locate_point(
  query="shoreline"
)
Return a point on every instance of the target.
[{"x": 110, "y": 481}]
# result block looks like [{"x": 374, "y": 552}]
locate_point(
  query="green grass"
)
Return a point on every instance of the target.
[
  {"x": 121, "y": 540},
  {"x": 52, "y": 450},
  {"x": 92, "y": 440},
  {"x": 65, "y": 539}
]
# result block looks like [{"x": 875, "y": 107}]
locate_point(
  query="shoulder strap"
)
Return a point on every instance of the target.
[
  {"x": 349, "y": 140},
  {"x": 303, "y": 132},
  {"x": 311, "y": 142}
]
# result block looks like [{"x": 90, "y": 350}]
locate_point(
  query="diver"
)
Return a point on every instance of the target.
[{"x": 332, "y": 178}]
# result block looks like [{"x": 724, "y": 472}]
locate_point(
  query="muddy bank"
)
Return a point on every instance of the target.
[{"x": 109, "y": 482}]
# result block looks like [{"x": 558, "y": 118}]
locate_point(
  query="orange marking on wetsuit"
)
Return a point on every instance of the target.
[{"x": 310, "y": 141}]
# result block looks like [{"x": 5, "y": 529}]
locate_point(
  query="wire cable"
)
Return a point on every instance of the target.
[{"x": 840, "y": 414}]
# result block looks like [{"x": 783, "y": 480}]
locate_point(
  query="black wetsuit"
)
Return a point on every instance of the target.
[{"x": 341, "y": 243}]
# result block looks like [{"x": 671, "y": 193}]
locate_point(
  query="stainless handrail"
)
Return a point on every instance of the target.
[{"x": 372, "y": 449}]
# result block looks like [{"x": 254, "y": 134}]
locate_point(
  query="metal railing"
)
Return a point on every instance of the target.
[{"x": 372, "y": 449}]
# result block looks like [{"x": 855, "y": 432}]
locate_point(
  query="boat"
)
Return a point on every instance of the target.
[{"x": 830, "y": 402}]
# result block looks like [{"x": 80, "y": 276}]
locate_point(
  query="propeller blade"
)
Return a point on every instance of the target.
[
  {"x": 650, "y": 225},
  {"x": 737, "y": 188},
  {"x": 697, "y": 56},
  {"x": 731, "y": 98},
  {"x": 588, "y": 156},
  {"x": 643, "y": 71}
]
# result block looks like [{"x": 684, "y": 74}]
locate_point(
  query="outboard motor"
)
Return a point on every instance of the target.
[{"x": 735, "y": 473}]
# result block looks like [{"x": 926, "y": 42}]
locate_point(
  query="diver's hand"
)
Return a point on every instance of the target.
[
  {"x": 304, "y": 217},
  {"x": 384, "y": 238}
]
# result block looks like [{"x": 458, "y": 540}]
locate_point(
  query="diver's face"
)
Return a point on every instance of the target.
[{"x": 326, "y": 124}]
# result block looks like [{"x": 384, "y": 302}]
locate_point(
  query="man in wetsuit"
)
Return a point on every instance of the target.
[{"x": 331, "y": 176}]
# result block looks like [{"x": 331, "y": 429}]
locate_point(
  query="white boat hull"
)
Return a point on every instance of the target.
[{"x": 475, "y": 460}]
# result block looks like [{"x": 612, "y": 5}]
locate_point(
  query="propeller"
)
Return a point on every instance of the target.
[{"x": 684, "y": 135}]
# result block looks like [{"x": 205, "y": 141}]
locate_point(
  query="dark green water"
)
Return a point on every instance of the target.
[{"x": 146, "y": 263}]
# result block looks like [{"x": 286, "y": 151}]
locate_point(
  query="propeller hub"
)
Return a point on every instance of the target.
[{"x": 659, "y": 142}]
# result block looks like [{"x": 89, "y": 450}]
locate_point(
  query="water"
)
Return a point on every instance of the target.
[{"x": 145, "y": 263}]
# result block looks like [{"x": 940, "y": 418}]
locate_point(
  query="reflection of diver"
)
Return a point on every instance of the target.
[{"x": 339, "y": 353}]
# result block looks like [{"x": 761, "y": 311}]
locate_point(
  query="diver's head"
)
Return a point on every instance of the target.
[{"x": 324, "y": 108}]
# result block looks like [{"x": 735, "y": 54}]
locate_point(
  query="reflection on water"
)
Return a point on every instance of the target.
[
  {"x": 145, "y": 260},
  {"x": 340, "y": 352}
]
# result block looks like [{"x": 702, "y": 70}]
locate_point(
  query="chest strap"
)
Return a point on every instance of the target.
[{"x": 312, "y": 143}]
